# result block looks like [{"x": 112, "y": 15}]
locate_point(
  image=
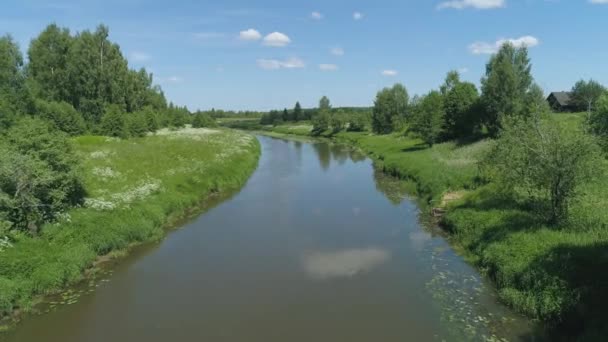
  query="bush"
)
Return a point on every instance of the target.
[
  {"x": 137, "y": 125},
  {"x": 113, "y": 122},
  {"x": 203, "y": 120},
  {"x": 62, "y": 115},
  {"x": 543, "y": 161},
  {"x": 428, "y": 118},
  {"x": 38, "y": 175},
  {"x": 598, "y": 121}
]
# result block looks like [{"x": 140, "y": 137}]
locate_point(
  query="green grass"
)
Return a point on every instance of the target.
[
  {"x": 135, "y": 189},
  {"x": 553, "y": 274}
]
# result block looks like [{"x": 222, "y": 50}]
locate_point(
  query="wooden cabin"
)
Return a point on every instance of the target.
[{"x": 561, "y": 101}]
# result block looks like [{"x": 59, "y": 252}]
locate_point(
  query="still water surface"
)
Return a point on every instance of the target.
[{"x": 318, "y": 246}]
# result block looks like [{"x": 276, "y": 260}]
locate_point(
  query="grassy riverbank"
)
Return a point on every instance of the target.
[
  {"x": 135, "y": 189},
  {"x": 553, "y": 274}
]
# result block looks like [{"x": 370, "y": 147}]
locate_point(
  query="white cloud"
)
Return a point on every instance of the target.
[
  {"x": 598, "y": 2},
  {"x": 316, "y": 15},
  {"x": 463, "y": 70},
  {"x": 389, "y": 72},
  {"x": 328, "y": 67},
  {"x": 250, "y": 35},
  {"x": 275, "y": 64},
  {"x": 479, "y": 48},
  {"x": 337, "y": 51},
  {"x": 343, "y": 263},
  {"x": 479, "y": 4},
  {"x": 357, "y": 15},
  {"x": 137, "y": 56},
  {"x": 276, "y": 39}
]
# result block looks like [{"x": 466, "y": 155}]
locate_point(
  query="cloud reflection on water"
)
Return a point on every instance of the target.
[{"x": 345, "y": 263}]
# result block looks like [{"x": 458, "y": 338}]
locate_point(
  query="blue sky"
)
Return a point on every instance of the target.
[{"x": 269, "y": 54}]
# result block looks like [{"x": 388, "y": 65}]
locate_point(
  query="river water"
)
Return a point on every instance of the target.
[{"x": 318, "y": 246}]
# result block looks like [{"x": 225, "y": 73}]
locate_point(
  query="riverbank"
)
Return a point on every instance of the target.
[
  {"x": 135, "y": 189},
  {"x": 549, "y": 274}
]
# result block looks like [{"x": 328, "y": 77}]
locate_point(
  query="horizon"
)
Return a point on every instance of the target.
[{"x": 234, "y": 56}]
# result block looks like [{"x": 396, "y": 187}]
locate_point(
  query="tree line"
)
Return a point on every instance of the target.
[
  {"x": 71, "y": 84},
  {"x": 533, "y": 156}
]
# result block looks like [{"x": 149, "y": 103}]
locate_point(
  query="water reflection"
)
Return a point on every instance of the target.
[
  {"x": 393, "y": 188},
  {"x": 345, "y": 263},
  {"x": 339, "y": 153}
]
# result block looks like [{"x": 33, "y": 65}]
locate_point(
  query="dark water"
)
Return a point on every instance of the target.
[{"x": 316, "y": 247}]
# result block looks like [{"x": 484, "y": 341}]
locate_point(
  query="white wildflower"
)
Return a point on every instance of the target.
[
  {"x": 5, "y": 243},
  {"x": 105, "y": 172},
  {"x": 100, "y": 154}
]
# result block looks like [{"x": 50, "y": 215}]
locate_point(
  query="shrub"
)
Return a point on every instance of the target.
[
  {"x": 203, "y": 120},
  {"x": 544, "y": 161},
  {"x": 113, "y": 122},
  {"x": 62, "y": 115},
  {"x": 38, "y": 175},
  {"x": 137, "y": 125}
]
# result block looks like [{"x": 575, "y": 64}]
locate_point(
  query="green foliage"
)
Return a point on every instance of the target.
[
  {"x": 338, "y": 121},
  {"x": 324, "y": 104},
  {"x": 297, "y": 112},
  {"x": 89, "y": 72},
  {"x": 14, "y": 94},
  {"x": 390, "y": 109},
  {"x": 151, "y": 117},
  {"x": 359, "y": 121},
  {"x": 62, "y": 115},
  {"x": 320, "y": 122},
  {"x": 506, "y": 85},
  {"x": 428, "y": 118},
  {"x": 48, "y": 67},
  {"x": 38, "y": 175},
  {"x": 598, "y": 121},
  {"x": 585, "y": 94},
  {"x": 114, "y": 122},
  {"x": 203, "y": 120},
  {"x": 462, "y": 111},
  {"x": 544, "y": 161},
  {"x": 137, "y": 125}
]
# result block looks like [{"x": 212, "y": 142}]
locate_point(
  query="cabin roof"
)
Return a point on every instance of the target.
[{"x": 562, "y": 97}]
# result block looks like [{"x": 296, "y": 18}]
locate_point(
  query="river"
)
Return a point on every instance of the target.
[{"x": 318, "y": 246}]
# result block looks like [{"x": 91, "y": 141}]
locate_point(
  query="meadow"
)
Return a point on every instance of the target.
[
  {"x": 136, "y": 190},
  {"x": 551, "y": 274}
]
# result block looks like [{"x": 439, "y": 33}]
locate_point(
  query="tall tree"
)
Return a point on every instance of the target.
[
  {"x": 285, "y": 115},
  {"x": 14, "y": 94},
  {"x": 321, "y": 119},
  {"x": 451, "y": 80},
  {"x": 48, "y": 60},
  {"x": 297, "y": 112},
  {"x": 506, "y": 84},
  {"x": 390, "y": 107},
  {"x": 98, "y": 73},
  {"x": 324, "y": 103},
  {"x": 598, "y": 121},
  {"x": 585, "y": 94},
  {"x": 428, "y": 119},
  {"x": 462, "y": 114}
]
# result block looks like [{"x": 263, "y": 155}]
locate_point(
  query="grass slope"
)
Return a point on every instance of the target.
[
  {"x": 556, "y": 275},
  {"x": 135, "y": 189}
]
